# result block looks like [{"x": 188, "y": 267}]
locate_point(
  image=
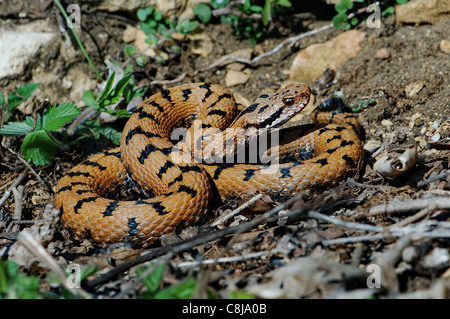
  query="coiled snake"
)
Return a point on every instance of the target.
[{"x": 182, "y": 190}]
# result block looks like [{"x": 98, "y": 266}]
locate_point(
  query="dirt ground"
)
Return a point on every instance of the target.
[{"x": 309, "y": 257}]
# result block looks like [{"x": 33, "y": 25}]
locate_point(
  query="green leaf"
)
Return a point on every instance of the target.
[
  {"x": 116, "y": 92},
  {"x": 143, "y": 13},
  {"x": 266, "y": 13},
  {"x": 129, "y": 50},
  {"x": 152, "y": 39},
  {"x": 15, "y": 128},
  {"x": 57, "y": 116},
  {"x": 88, "y": 97},
  {"x": 153, "y": 280},
  {"x": 339, "y": 19},
  {"x": 14, "y": 100},
  {"x": 157, "y": 15},
  {"x": 226, "y": 19},
  {"x": 217, "y": 4},
  {"x": 15, "y": 284},
  {"x": 108, "y": 87},
  {"x": 203, "y": 12},
  {"x": 343, "y": 6},
  {"x": 256, "y": 9},
  {"x": 285, "y": 3},
  {"x": 388, "y": 11},
  {"x": 186, "y": 26},
  {"x": 401, "y": 1},
  {"x": 26, "y": 90},
  {"x": 182, "y": 290},
  {"x": 141, "y": 60},
  {"x": 39, "y": 148}
]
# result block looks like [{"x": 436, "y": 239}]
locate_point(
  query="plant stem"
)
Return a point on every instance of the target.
[{"x": 72, "y": 29}]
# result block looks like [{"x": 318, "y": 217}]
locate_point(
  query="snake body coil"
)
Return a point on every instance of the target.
[{"x": 182, "y": 190}]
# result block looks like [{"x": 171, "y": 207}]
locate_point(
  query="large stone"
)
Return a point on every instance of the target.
[
  {"x": 422, "y": 11},
  {"x": 310, "y": 63},
  {"x": 20, "y": 44}
]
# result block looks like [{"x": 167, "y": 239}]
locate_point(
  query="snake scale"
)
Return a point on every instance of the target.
[{"x": 179, "y": 193}]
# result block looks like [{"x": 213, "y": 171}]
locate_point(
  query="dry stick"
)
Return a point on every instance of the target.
[
  {"x": 411, "y": 219},
  {"x": 408, "y": 205},
  {"x": 434, "y": 178},
  {"x": 224, "y": 217},
  {"x": 227, "y": 259},
  {"x": 26, "y": 164},
  {"x": 14, "y": 185},
  {"x": 195, "y": 241},
  {"x": 18, "y": 202},
  {"x": 35, "y": 247}
]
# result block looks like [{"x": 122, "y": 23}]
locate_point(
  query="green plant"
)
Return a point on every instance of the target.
[
  {"x": 123, "y": 89},
  {"x": 39, "y": 145},
  {"x": 16, "y": 285},
  {"x": 362, "y": 104},
  {"x": 14, "y": 99},
  {"x": 244, "y": 23},
  {"x": 341, "y": 19},
  {"x": 155, "y": 25},
  {"x": 110, "y": 95},
  {"x": 183, "y": 290}
]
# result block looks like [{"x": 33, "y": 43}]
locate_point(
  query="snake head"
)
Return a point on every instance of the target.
[{"x": 272, "y": 110}]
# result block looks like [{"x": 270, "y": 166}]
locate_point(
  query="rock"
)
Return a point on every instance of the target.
[
  {"x": 386, "y": 123},
  {"x": 383, "y": 54},
  {"x": 234, "y": 77},
  {"x": 310, "y": 63},
  {"x": 19, "y": 46},
  {"x": 129, "y": 34},
  {"x": 422, "y": 11},
  {"x": 142, "y": 46},
  {"x": 201, "y": 44},
  {"x": 241, "y": 54},
  {"x": 414, "y": 88},
  {"x": 444, "y": 45},
  {"x": 188, "y": 9}
]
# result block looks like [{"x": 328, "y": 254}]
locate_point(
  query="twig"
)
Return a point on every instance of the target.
[
  {"x": 227, "y": 259},
  {"x": 35, "y": 247},
  {"x": 409, "y": 205},
  {"x": 421, "y": 214},
  {"x": 18, "y": 202},
  {"x": 352, "y": 182},
  {"x": 434, "y": 178},
  {"x": 224, "y": 217},
  {"x": 339, "y": 222},
  {"x": 26, "y": 164},
  {"x": 14, "y": 185}
]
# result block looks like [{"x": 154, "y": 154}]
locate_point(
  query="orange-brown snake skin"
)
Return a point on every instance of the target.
[{"x": 177, "y": 193}]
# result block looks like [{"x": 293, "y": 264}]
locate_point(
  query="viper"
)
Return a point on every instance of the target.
[{"x": 177, "y": 183}]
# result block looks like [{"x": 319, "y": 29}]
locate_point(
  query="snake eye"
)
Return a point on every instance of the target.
[{"x": 288, "y": 101}]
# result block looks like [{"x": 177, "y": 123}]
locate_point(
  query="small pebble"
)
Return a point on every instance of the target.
[{"x": 383, "y": 54}]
